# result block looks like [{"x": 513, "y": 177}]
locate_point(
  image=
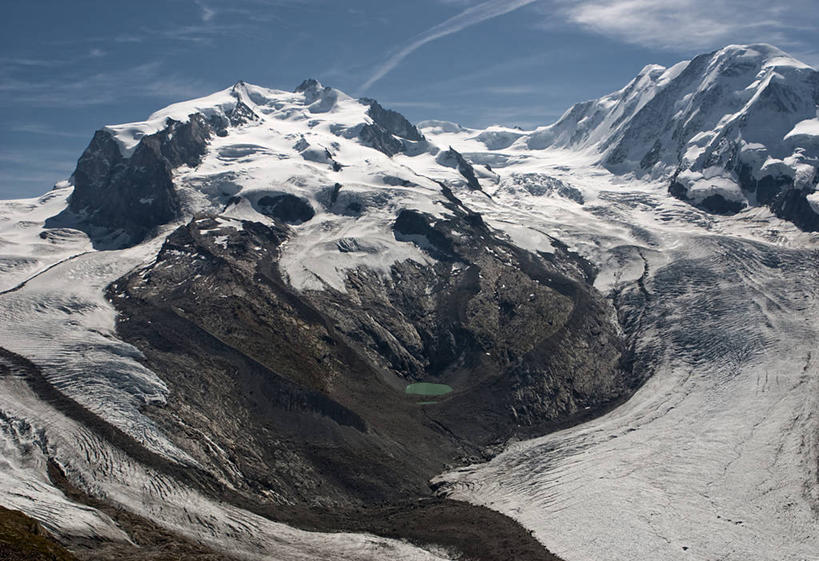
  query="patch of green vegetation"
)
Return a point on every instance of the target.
[{"x": 428, "y": 389}]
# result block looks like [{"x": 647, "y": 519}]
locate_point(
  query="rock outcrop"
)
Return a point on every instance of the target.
[
  {"x": 120, "y": 199},
  {"x": 305, "y": 392}
]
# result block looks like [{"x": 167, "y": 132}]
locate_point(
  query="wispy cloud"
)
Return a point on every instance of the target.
[
  {"x": 682, "y": 25},
  {"x": 691, "y": 24},
  {"x": 207, "y": 11},
  {"x": 25, "y": 172},
  {"x": 50, "y": 158},
  {"x": 413, "y": 104},
  {"x": 45, "y": 130},
  {"x": 145, "y": 80},
  {"x": 23, "y": 62},
  {"x": 509, "y": 90},
  {"x": 527, "y": 117},
  {"x": 467, "y": 18}
]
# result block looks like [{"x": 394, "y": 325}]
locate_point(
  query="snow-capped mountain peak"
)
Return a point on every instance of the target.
[{"x": 727, "y": 130}]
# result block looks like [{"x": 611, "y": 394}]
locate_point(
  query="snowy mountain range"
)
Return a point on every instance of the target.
[
  {"x": 261, "y": 322},
  {"x": 728, "y": 130},
  {"x": 731, "y": 129}
]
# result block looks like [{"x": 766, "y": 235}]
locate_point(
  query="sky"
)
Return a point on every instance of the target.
[{"x": 68, "y": 68}]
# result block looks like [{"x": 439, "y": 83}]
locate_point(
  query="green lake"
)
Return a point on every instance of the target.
[{"x": 428, "y": 389}]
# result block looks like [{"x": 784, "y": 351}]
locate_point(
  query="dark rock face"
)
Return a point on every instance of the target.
[
  {"x": 716, "y": 204},
  {"x": 241, "y": 114},
  {"x": 377, "y": 137},
  {"x": 779, "y": 193},
  {"x": 453, "y": 158},
  {"x": 413, "y": 226},
  {"x": 793, "y": 205},
  {"x": 765, "y": 189},
  {"x": 132, "y": 196},
  {"x": 308, "y": 85},
  {"x": 287, "y": 208},
  {"x": 652, "y": 156},
  {"x": 776, "y": 192},
  {"x": 392, "y": 121},
  {"x": 24, "y": 539},
  {"x": 304, "y": 393},
  {"x": 389, "y": 133},
  {"x": 182, "y": 143}
]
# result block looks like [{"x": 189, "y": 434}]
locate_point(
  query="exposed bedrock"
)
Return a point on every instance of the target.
[
  {"x": 392, "y": 121},
  {"x": 286, "y": 208},
  {"x": 390, "y": 132},
  {"x": 784, "y": 198},
  {"x": 118, "y": 200},
  {"x": 299, "y": 397},
  {"x": 776, "y": 192},
  {"x": 715, "y": 203},
  {"x": 24, "y": 539},
  {"x": 793, "y": 205},
  {"x": 453, "y": 159}
]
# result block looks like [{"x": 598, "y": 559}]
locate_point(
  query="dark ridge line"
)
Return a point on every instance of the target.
[
  {"x": 44, "y": 271},
  {"x": 413, "y": 521},
  {"x": 48, "y": 393}
]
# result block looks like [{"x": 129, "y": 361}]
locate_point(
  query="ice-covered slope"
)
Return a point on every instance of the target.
[
  {"x": 728, "y": 129},
  {"x": 716, "y": 456}
]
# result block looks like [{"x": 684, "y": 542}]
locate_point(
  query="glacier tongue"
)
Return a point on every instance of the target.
[{"x": 716, "y": 456}]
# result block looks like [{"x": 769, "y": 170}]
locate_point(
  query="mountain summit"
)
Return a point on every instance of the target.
[
  {"x": 727, "y": 130},
  {"x": 734, "y": 128}
]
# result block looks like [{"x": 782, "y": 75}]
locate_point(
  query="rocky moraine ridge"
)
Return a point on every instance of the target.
[{"x": 306, "y": 389}]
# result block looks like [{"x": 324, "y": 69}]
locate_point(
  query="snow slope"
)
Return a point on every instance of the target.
[
  {"x": 715, "y": 125},
  {"x": 23, "y": 251},
  {"x": 304, "y": 144}
]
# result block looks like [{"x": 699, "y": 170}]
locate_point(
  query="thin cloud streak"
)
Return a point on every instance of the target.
[
  {"x": 691, "y": 25},
  {"x": 467, "y": 18},
  {"x": 45, "y": 130},
  {"x": 687, "y": 25},
  {"x": 146, "y": 80}
]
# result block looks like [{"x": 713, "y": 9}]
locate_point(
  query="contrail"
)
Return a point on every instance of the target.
[{"x": 467, "y": 18}]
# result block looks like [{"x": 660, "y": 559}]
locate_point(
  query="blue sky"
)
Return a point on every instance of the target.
[{"x": 68, "y": 68}]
